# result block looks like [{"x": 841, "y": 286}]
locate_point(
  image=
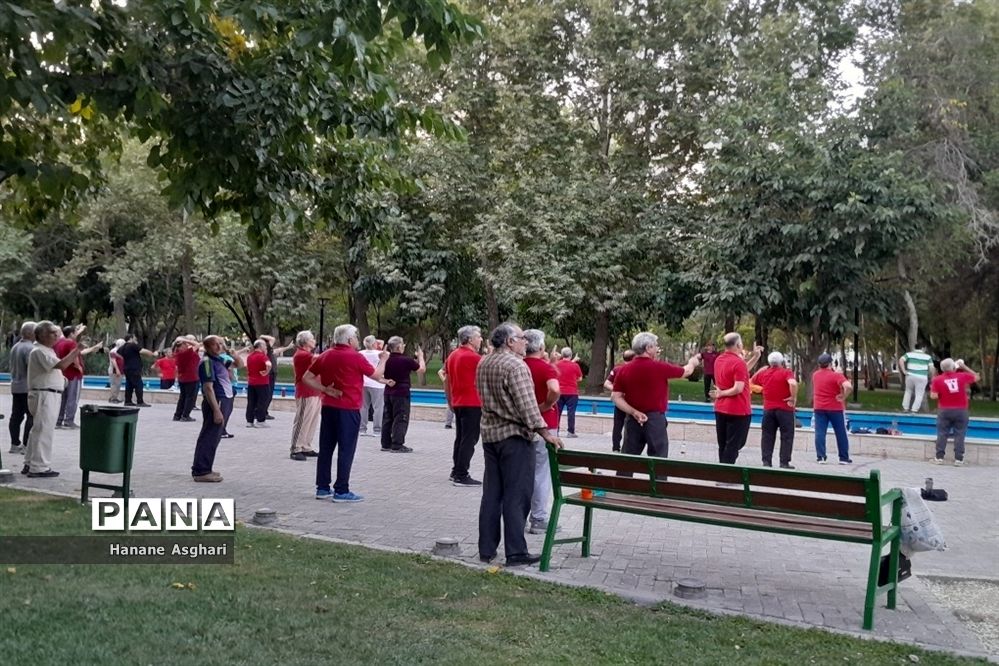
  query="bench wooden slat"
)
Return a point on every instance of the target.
[
  {"x": 841, "y": 486},
  {"x": 733, "y": 516},
  {"x": 816, "y": 506},
  {"x": 604, "y": 482}
]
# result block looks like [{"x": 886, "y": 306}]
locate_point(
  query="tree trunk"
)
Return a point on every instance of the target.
[
  {"x": 729, "y": 323},
  {"x": 187, "y": 281},
  {"x": 360, "y": 312},
  {"x": 598, "y": 358},
  {"x": 120, "y": 326},
  {"x": 492, "y": 305},
  {"x": 910, "y": 305},
  {"x": 995, "y": 365}
]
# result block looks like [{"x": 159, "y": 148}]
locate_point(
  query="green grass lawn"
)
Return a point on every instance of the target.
[{"x": 294, "y": 601}]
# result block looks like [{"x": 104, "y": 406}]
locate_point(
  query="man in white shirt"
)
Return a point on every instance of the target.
[{"x": 45, "y": 386}]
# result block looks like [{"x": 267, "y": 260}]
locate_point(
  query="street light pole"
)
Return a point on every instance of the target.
[
  {"x": 209, "y": 322},
  {"x": 322, "y": 322},
  {"x": 856, "y": 352}
]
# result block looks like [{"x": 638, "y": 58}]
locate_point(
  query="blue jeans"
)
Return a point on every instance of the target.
[
  {"x": 338, "y": 427},
  {"x": 823, "y": 419}
]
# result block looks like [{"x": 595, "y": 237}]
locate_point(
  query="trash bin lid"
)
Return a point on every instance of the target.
[{"x": 109, "y": 410}]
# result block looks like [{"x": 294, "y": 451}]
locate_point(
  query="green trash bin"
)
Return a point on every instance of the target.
[{"x": 107, "y": 444}]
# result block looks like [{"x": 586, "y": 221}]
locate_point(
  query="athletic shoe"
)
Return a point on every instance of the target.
[
  {"x": 542, "y": 528},
  {"x": 324, "y": 494},
  {"x": 447, "y": 426},
  {"x": 186, "y": 419},
  {"x": 70, "y": 426},
  {"x": 129, "y": 404},
  {"x": 959, "y": 463},
  {"x": 227, "y": 435},
  {"x": 211, "y": 477},
  {"x": 269, "y": 417},
  {"x": 262, "y": 425},
  {"x": 400, "y": 449},
  {"x": 251, "y": 425},
  {"x": 24, "y": 470},
  {"x": 176, "y": 418},
  {"x": 114, "y": 400},
  {"x": 17, "y": 448},
  {"x": 59, "y": 426},
  {"x": 347, "y": 497},
  {"x": 310, "y": 454},
  {"x": 467, "y": 482},
  {"x": 47, "y": 474},
  {"x": 144, "y": 404},
  {"x": 937, "y": 461},
  {"x": 821, "y": 461},
  {"x": 298, "y": 456},
  {"x": 571, "y": 435},
  {"x": 787, "y": 466},
  {"x": 485, "y": 559},
  {"x": 363, "y": 433},
  {"x": 846, "y": 462}
]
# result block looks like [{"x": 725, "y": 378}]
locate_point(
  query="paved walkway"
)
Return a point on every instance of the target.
[{"x": 410, "y": 503}]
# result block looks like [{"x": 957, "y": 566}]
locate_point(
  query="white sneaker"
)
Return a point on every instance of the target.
[
  {"x": 937, "y": 461},
  {"x": 958, "y": 463},
  {"x": 18, "y": 449},
  {"x": 251, "y": 425}
]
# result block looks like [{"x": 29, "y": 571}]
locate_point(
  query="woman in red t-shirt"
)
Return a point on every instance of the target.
[
  {"x": 779, "y": 397},
  {"x": 258, "y": 381},
  {"x": 166, "y": 368}
]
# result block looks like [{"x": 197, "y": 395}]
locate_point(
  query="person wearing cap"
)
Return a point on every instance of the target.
[
  {"x": 950, "y": 389},
  {"x": 733, "y": 406},
  {"x": 829, "y": 391},
  {"x": 780, "y": 391}
]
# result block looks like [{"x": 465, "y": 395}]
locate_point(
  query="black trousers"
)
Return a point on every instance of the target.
[
  {"x": 651, "y": 435},
  {"x": 616, "y": 433},
  {"x": 209, "y": 437},
  {"x": 19, "y": 412},
  {"x": 732, "y": 432},
  {"x": 507, "y": 488},
  {"x": 256, "y": 403},
  {"x": 133, "y": 384},
  {"x": 466, "y": 434},
  {"x": 271, "y": 380},
  {"x": 774, "y": 420},
  {"x": 186, "y": 400},
  {"x": 708, "y": 380},
  {"x": 395, "y": 421}
]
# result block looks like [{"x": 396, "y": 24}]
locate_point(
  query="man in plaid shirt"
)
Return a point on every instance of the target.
[{"x": 510, "y": 417}]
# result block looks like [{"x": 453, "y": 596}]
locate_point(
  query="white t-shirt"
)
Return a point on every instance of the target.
[
  {"x": 42, "y": 372},
  {"x": 371, "y": 355}
]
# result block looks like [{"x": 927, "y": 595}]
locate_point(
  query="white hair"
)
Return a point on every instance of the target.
[
  {"x": 369, "y": 342},
  {"x": 535, "y": 340},
  {"x": 343, "y": 333},
  {"x": 395, "y": 343},
  {"x": 566, "y": 352},
  {"x": 948, "y": 365},
  {"x": 775, "y": 359},
  {"x": 27, "y": 329},
  {"x": 466, "y": 333},
  {"x": 303, "y": 338},
  {"x": 641, "y": 342}
]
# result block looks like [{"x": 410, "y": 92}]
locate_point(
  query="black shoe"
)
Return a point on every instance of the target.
[
  {"x": 517, "y": 560},
  {"x": 768, "y": 464},
  {"x": 298, "y": 456},
  {"x": 270, "y": 418},
  {"x": 144, "y": 404},
  {"x": 24, "y": 470},
  {"x": 467, "y": 482},
  {"x": 616, "y": 449},
  {"x": 176, "y": 418},
  {"x": 386, "y": 448},
  {"x": 447, "y": 426},
  {"x": 227, "y": 435},
  {"x": 310, "y": 454},
  {"x": 47, "y": 474},
  {"x": 401, "y": 449},
  {"x": 129, "y": 404},
  {"x": 186, "y": 419},
  {"x": 787, "y": 466},
  {"x": 486, "y": 558}
]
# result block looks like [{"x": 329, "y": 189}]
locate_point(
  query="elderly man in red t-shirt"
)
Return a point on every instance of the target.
[
  {"x": 733, "y": 408},
  {"x": 74, "y": 377},
  {"x": 546, "y": 391},
  {"x": 187, "y": 360},
  {"x": 307, "y": 402},
  {"x": 950, "y": 389},
  {"x": 641, "y": 391},
  {"x": 338, "y": 374},
  {"x": 463, "y": 397},
  {"x": 780, "y": 391},
  {"x": 258, "y": 385},
  {"x": 829, "y": 391},
  {"x": 569, "y": 376}
]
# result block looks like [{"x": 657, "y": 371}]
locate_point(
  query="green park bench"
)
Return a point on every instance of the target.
[{"x": 823, "y": 506}]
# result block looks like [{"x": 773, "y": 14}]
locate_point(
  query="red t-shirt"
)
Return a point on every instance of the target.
[
  {"x": 708, "y": 359},
  {"x": 168, "y": 367},
  {"x": 63, "y": 348},
  {"x": 541, "y": 372},
  {"x": 460, "y": 369},
  {"x": 826, "y": 385},
  {"x": 256, "y": 369},
  {"x": 301, "y": 361},
  {"x": 776, "y": 390},
  {"x": 345, "y": 368},
  {"x": 951, "y": 389},
  {"x": 569, "y": 374},
  {"x": 729, "y": 369},
  {"x": 645, "y": 383},
  {"x": 187, "y": 364}
]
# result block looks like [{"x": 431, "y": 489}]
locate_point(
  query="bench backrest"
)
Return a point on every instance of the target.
[{"x": 820, "y": 495}]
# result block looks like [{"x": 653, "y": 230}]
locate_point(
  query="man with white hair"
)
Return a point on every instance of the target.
[
  {"x": 45, "y": 386},
  {"x": 19, "y": 411},
  {"x": 398, "y": 371},
  {"x": 641, "y": 391},
  {"x": 950, "y": 389},
  {"x": 374, "y": 391},
  {"x": 780, "y": 394},
  {"x": 546, "y": 392},
  {"x": 216, "y": 404},
  {"x": 463, "y": 397},
  {"x": 307, "y": 400},
  {"x": 569, "y": 375},
  {"x": 733, "y": 407},
  {"x": 337, "y": 374}
]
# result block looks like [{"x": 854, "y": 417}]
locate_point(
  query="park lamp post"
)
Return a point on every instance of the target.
[
  {"x": 322, "y": 321},
  {"x": 856, "y": 353}
]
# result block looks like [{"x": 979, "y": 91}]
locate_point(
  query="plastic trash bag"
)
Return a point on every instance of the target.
[{"x": 920, "y": 531}]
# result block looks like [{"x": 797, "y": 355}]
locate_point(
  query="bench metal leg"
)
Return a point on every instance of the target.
[
  {"x": 587, "y": 530},
  {"x": 85, "y": 490},
  {"x": 872, "y": 586},
  {"x": 546, "y": 552}
]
